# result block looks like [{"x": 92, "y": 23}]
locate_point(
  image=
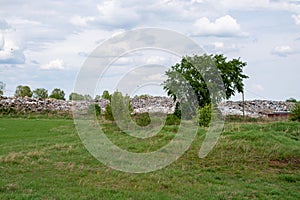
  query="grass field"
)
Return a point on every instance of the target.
[{"x": 45, "y": 159}]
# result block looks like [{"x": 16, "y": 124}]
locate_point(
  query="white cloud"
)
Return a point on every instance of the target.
[
  {"x": 221, "y": 47},
  {"x": 245, "y": 4},
  {"x": 218, "y": 45},
  {"x": 114, "y": 13},
  {"x": 197, "y": 1},
  {"x": 157, "y": 77},
  {"x": 12, "y": 56},
  {"x": 155, "y": 60},
  {"x": 10, "y": 53},
  {"x": 4, "y": 25},
  {"x": 81, "y": 21},
  {"x": 287, "y": 5},
  {"x": 2, "y": 42},
  {"x": 282, "y": 51},
  {"x": 225, "y": 26},
  {"x": 54, "y": 64},
  {"x": 296, "y": 19},
  {"x": 49, "y": 29}
]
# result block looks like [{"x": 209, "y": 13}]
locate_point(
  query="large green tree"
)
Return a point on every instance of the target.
[
  {"x": 58, "y": 94},
  {"x": 23, "y": 91},
  {"x": 201, "y": 80},
  {"x": 40, "y": 93}
]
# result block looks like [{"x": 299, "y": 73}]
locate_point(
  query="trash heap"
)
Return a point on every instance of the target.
[{"x": 253, "y": 108}]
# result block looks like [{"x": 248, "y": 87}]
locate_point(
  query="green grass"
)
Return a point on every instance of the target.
[{"x": 45, "y": 159}]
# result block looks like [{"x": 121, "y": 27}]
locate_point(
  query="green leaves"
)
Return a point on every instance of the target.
[
  {"x": 2, "y": 87},
  {"x": 23, "y": 91},
  {"x": 40, "y": 93},
  {"x": 58, "y": 94},
  {"x": 296, "y": 113},
  {"x": 210, "y": 78}
]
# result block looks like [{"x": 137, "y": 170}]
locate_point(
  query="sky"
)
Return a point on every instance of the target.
[{"x": 44, "y": 44}]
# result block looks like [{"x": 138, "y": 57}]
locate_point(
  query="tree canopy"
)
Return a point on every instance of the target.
[
  {"x": 2, "y": 87},
  {"x": 23, "y": 91},
  {"x": 119, "y": 108},
  {"x": 40, "y": 93},
  {"x": 210, "y": 78},
  {"x": 58, "y": 94},
  {"x": 296, "y": 113},
  {"x": 292, "y": 100},
  {"x": 106, "y": 95},
  {"x": 76, "y": 97}
]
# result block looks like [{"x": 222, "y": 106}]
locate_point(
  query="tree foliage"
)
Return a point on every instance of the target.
[
  {"x": 201, "y": 80},
  {"x": 94, "y": 109},
  {"x": 79, "y": 97},
  {"x": 2, "y": 87},
  {"x": 108, "y": 113},
  {"x": 97, "y": 97},
  {"x": 23, "y": 91},
  {"x": 106, "y": 95},
  {"x": 40, "y": 93},
  {"x": 76, "y": 97},
  {"x": 292, "y": 100},
  {"x": 204, "y": 115},
  {"x": 88, "y": 97},
  {"x": 295, "y": 114},
  {"x": 119, "y": 108},
  {"x": 58, "y": 94}
]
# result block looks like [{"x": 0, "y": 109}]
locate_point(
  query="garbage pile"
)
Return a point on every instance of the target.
[{"x": 253, "y": 108}]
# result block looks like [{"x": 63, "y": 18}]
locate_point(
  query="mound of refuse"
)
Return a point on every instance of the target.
[{"x": 253, "y": 108}]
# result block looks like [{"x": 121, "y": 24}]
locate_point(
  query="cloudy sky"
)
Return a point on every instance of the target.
[{"x": 45, "y": 43}]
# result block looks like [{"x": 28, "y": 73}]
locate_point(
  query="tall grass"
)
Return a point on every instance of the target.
[{"x": 45, "y": 159}]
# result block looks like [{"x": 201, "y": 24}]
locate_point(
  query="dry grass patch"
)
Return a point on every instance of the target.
[{"x": 21, "y": 157}]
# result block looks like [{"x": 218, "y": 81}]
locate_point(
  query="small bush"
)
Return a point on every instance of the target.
[
  {"x": 94, "y": 109},
  {"x": 296, "y": 113},
  {"x": 204, "y": 115},
  {"x": 108, "y": 113},
  {"x": 142, "y": 119},
  {"x": 172, "y": 120}
]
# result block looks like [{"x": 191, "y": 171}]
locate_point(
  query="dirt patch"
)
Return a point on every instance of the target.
[{"x": 291, "y": 161}]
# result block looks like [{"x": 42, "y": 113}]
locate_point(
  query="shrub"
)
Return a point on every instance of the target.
[
  {"x": 296, "y": 113},
  {"x": 142, "y": 119},
  {"x": 172, "y": 120},
  {"x": 108, "y": 113},
  {"x": 206, "y": 114},
  {"x": 121, "y": 108},
  {"x": 94, "y": 109}
]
